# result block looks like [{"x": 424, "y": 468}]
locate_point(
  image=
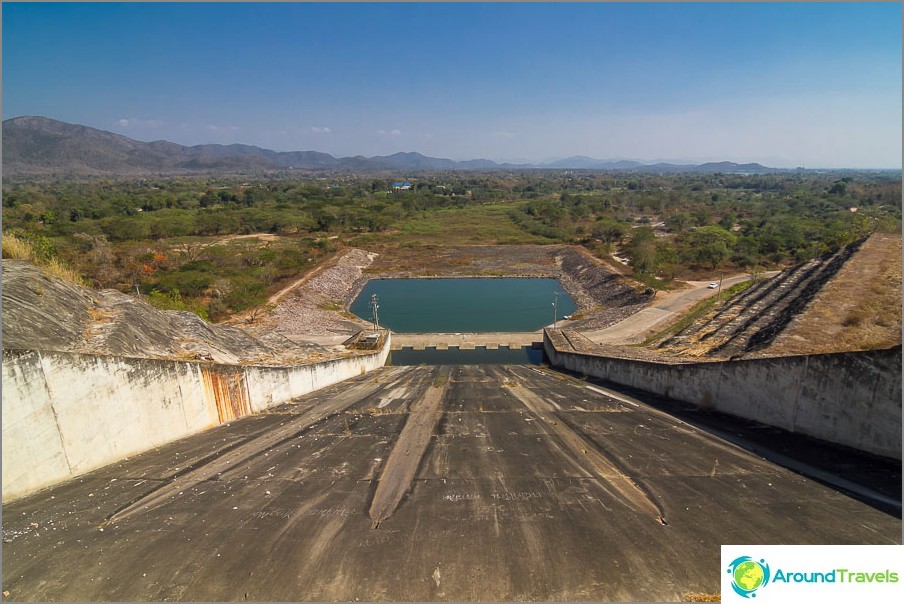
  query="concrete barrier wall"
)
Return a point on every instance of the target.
[
  {"x": 850, "y": 398},
  {"x": 67, "y": 414}
]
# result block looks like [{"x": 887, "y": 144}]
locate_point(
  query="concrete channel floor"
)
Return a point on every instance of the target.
[{"x": 466, "y": 483}]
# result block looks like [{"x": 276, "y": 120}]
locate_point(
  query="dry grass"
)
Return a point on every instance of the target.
[
  {"x": 700, "y": 597},
  {"x": 860, "y": 309},
  {"x": 699, "y": 310},
  {"x": 465, "y": 260},
  {"x": 16, "y": 248}
]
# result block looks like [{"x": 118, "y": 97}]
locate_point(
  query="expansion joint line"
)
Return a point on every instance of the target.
[{"x": 405, "y": 458}]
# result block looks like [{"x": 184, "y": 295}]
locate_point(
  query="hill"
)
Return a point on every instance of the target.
[{"x": 39, "y": 146}]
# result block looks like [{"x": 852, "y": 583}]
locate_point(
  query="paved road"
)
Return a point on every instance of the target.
[
  {"x": 637, "y": 327},
  {"x": 416, "y": 483}
]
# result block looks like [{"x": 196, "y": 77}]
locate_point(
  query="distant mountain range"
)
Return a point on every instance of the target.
[{"x": 40, "y": 146}]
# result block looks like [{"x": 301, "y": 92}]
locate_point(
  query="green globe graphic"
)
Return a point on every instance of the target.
[{"x": 748, "y": 575}]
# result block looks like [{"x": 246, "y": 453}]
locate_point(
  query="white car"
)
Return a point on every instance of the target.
[{"x": 713, "y": 285}]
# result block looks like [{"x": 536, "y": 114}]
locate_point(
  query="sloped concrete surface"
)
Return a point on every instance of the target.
[
  {"x": 533, "y": 485},
  {"x": 42, "y": 312}
]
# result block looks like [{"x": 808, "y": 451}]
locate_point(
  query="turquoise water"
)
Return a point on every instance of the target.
[{"x": 463, "y": 305}]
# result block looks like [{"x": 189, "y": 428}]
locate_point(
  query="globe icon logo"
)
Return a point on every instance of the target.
[{"x": 748, "y": 575}]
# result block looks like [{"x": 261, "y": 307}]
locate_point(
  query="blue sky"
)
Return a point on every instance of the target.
[{"x": 785, "y": 84}]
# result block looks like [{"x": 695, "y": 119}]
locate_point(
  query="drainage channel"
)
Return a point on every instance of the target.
[{"x": 480, "y": 355}]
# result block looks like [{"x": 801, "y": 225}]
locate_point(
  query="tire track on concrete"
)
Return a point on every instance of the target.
[
  {"x": 408, "y": 451},
  {"x": 211, "y": 466},
  {"x": 583, "y": 450}
]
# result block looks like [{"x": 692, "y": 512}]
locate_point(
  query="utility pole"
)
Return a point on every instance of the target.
[
  {"x": 719, "y": 296},
  {"x": 555, "y": 309}
]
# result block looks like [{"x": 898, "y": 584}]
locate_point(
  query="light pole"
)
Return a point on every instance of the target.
[
  {"x": 555, "y": 309},
  {"x": 375, "y": 306}
]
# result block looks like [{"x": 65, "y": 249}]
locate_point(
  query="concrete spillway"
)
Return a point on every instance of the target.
[
  {"x": 490, "y": 483},
  {"x": 465, "y": 341}
]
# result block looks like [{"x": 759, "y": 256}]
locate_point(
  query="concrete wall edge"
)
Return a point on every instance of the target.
[
  {"x": 175, "y": 399},
  {"x": 843, "y": 403}
]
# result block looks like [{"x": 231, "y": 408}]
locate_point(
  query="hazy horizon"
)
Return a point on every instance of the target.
[{"x": 783, "y": 85}]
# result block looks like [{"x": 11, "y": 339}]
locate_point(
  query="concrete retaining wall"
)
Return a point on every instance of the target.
[
  {"x": 67, "y": 414},
  {"x": 851, "y": 398}
]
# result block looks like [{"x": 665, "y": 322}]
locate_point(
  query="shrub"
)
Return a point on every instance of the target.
[
  {"x": 190, "y": 282},
  {"x": 40, "y": 252},
  {"x": 173, "y": 301}
]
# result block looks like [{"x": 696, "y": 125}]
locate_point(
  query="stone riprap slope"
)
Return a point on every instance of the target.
[
  {"x": 605, "y": 297},
  {"x": 750, "y": 321},
  {"x": 42, "y": 312},
  {"x": 313, "y": 307},
  {"x": 860, "y": 309}
]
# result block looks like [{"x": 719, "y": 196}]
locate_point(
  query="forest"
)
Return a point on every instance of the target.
[{"x": 217, "y": 246}]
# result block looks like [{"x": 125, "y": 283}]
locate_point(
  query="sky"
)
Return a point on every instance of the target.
[{"x": 784, "y": 84}]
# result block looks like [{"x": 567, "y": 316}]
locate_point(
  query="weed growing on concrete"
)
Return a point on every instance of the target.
[{"x": 700, "y": 597}]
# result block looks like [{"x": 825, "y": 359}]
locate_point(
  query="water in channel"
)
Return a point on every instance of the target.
[
  {"x": 477, "y": 356},
  {"x": 473, "y": 305}
]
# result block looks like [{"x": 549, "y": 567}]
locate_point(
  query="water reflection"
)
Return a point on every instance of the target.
[{"x": 475, "y": 305}]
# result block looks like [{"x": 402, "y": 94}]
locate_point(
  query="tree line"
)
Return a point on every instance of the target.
[{"x": 157, "y": 235}]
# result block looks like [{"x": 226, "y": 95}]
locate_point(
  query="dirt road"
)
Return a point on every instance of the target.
[{"x": 667, "y": 308}]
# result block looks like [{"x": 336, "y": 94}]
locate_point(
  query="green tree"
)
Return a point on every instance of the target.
[
  {"x": 728, "y": 221},
  {"x": 679, "y": 221},
  {"x": 641, "y": 250},
  {"x": 125, "y": 228},
  {"x": 711, "y": 244},
  {"x": 609, "y": 231},
  {"x": 212, "y": 222}
]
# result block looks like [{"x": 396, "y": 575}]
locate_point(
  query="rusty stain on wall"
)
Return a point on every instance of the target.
[{"x": 227, "y": 389}]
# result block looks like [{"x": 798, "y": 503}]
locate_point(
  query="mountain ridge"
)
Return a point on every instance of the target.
[{"x": 36, "y": 145}]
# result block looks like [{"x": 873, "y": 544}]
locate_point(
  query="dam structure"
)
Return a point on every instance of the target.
[
  {"x": 597, "y": 474},
  {"x": 465, "y": 315}
]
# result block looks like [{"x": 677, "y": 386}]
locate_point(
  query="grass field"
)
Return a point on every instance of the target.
[{"x": 483, "y": 225}]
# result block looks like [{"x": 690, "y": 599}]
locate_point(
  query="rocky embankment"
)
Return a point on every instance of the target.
[
  {"x": 749, "y": 323},
  {"x": 42, "y": 312},
  {"x": 316, "y": 306},
  {"x": 604, "y": 297}
]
